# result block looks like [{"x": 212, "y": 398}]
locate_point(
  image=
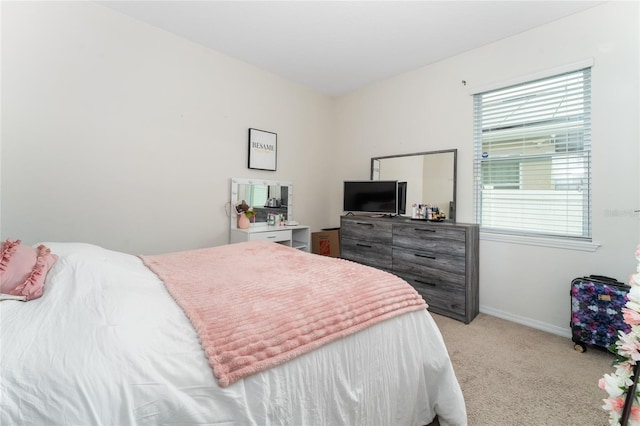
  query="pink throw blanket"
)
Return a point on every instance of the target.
[{"x": 258, "y": 304}]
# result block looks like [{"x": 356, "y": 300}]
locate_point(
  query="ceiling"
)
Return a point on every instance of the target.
[{"x": 335, "y": 47}]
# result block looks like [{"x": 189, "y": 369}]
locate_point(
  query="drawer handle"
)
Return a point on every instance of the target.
[
  {"x": 426, "y": 283},
  {"x": 424, "y": 230},
  {"x": 271, "y": 236},
  {"x": 363, "y": 245},
  {"x": 365, "y": 224},
  {"x": 425, "y": 256}
]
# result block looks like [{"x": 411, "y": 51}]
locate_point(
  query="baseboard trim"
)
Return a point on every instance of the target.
[{"x": 539, "y": 325}]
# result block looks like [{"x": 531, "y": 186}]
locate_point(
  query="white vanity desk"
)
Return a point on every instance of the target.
[
  {"x": 256, "y": 192},
  {"x": 297, "y": 236}
]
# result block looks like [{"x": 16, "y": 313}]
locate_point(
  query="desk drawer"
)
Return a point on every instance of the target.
[
  {"x": 433, "y": 267},
  {"x": 367, "y": 253},
  {"x": 441, "y": 297},
  {"x": 275, "y": 236},
  {"x": 366, "y": 230},
  {"x": 430, "y": 238}
]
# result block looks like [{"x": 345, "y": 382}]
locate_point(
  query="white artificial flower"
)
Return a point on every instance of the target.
[
  {"x": 633, "y": 305},
  {"x": 624, "y": 370},
  {"x": 634, "y": 294},
  {"x": 613, "y": 385},
  {"x": 614, "y": 419}
]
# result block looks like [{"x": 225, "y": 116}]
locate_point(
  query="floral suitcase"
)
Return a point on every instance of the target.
[{"x": 596, "y": 311}]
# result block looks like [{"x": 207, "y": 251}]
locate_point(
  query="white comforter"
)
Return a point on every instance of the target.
[{"x": 107, "y": 345}]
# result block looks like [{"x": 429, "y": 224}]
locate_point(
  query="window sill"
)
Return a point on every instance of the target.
[{"x": 539, "y": 241}]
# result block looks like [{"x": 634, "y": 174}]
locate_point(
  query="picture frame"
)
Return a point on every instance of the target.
[{"x": 263, "y": 150}]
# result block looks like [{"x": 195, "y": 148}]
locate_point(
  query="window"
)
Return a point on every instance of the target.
[
  {"x": 532, "y": 165},
  {"x": 254, "y": 195},
  {"x": 259, "y": 195}
]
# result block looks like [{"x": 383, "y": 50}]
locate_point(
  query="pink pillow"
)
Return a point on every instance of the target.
[{"x": 23, "y": 269}]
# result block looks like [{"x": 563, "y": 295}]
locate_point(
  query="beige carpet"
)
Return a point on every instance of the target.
[{"x": 515, "y": 375}]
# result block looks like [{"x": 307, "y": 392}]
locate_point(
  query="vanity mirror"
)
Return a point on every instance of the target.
[
  {"x": 430, "y": 177},
  {"x": 265, "y": 196}
]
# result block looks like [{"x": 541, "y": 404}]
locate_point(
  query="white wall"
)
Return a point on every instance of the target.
[
  {"x": 430, "y": 109},
  {"x": 117, "y": 133}
]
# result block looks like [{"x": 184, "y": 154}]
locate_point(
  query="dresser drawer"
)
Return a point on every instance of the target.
[
  {"x": 430, "y": 238},
  {"x": 441, "y": 298},
  {"x": 366, "y": 252},
  {"x": 275, "y": 236},
  {"x": 366, "y": 230},
  {"x": 431, "y": 267}
]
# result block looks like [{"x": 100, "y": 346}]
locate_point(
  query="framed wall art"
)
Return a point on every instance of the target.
[{"x": 263, "y": 147}]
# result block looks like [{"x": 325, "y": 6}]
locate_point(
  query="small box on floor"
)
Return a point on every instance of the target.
[{"x": 326, "y": 242}]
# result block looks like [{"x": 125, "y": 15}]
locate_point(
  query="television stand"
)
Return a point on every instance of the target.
[{"x": 440, "y": 260}]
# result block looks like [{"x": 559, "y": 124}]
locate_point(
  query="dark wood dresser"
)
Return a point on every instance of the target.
[{"x": 439, "y": 259}]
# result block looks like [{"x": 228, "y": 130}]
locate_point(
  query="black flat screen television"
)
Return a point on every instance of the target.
[{"x": 371, "y": 196}]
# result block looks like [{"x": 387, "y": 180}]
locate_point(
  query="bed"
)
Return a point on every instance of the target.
[{"x": 110, "y": 343}]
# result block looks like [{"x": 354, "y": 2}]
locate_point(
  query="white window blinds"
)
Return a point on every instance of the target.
[{"x": 532, "y": 167}]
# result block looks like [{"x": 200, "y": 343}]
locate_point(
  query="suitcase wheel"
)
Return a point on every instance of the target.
[{"x": 580, "y": 347}]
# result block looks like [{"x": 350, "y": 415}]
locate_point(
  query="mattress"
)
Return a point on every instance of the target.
[{"x": 108, "y": 345}]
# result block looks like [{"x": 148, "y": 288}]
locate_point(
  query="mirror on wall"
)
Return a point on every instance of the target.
[
  {"x": 430, "y": 177},
  {"x": 265, "y": 196}
]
